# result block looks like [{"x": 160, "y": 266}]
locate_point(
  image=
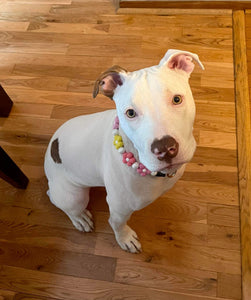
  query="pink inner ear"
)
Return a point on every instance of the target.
[
  {"x": 108, "y": 83},
  {"x": 182, "y": 62}
]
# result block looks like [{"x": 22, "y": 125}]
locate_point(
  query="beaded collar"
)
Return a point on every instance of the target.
[{"x": 128, "y": 157}]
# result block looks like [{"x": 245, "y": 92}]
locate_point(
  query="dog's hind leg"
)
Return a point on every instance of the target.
[{"x": 73, "y": 200}]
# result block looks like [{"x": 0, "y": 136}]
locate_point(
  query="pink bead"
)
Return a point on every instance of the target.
[
  {"x": 116, "y": 123},
  {"x": 142, "y": 170}
]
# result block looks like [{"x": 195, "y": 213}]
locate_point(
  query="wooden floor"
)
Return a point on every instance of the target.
[{"x": 51, "y": 52}]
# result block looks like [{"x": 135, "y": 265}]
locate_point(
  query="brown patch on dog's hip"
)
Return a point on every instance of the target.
[{"x": 55, "y": 152}]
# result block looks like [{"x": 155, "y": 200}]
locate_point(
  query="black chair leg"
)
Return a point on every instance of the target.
[
  {"x": 5, "y": 103},
  {"x": 10, "y": 172}
]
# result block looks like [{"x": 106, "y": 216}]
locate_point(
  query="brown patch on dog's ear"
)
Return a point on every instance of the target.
[
  {"x": 55, "y": 152},
  {"x": 108, "y": 81}
]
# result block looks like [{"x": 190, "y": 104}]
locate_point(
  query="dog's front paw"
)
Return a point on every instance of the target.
[{"x": 128, "y": 240}]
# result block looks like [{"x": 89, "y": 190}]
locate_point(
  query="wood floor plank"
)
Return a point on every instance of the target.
[
  {"x": 33, "y": 172},
  {"x": 198, "y": 21},
  {"x": 205, "y": 94},
  {"x": 33, "y": 124},
  {"x": 173, "y": 11},
  {"x": 26, "y": 154},
  {"x": 23, "y": 138},
  {"x": 42, "y": 236},
  {"x": 60, "y": 70},
  {"x": 22, "y": 95},
  {"x": 94, "y": 46},
  {"x": 44, "y": 48},
  {"x": 211, "y": 119},
  {"x": 14, "y": 26},
  {"x": 216, "y": 177},
  {"x": 120, "y": 29},
  {"x": 12, "y": 7},
  {"x": 99, "y": 29},
  {"x": 34, "y": 82},
  {"x": 223, "y": 32},
  {"x": 223, "y": 215},
  {"x": 96, "y": 63},
  {"x": 7, "y": 295},
  {"x": 175, "y": 254},
  {"x": 141, "y": 274},
  {"x": 32, "y": 109},
  {"x": 176, "y": 209},
  {"x": 54, "y": 37},
  {"x": 40, "y": 1},
  {"x": 29, "y": 198},
  {"x": 226, "y": 280},
  {"x": 81, "y": 265},
  {"x": 171, "y": 232},
  {"x": 214, "y": 139},
  {"x": 204, "y": 192},
  {"x": 37, "y": 216},
  {"x": 69, "y": 111},
  {"x": 226, "y": 237},
  {"x": 215, "y": 156},
  {"x": 196, "y": 167},
  {"x": 79, "y": 288}
]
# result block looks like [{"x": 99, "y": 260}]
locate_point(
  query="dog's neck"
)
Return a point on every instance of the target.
[{"x": 128, "y": 145}]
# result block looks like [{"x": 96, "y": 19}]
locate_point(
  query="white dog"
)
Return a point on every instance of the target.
[{"x": 137, "y": 151}]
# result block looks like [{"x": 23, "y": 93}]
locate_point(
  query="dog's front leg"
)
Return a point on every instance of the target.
[{"x": 125, "y": 236}]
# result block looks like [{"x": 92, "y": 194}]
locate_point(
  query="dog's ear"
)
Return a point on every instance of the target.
[
  {"x": 180, "y": 60},
  {"x": 108, "y": 81}
]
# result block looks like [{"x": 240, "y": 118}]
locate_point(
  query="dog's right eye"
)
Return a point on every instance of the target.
[
  {"x": 131, "y": 113},
  {"x": 177, "y": 99}
]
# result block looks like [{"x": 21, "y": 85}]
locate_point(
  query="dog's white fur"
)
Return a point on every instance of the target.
[{"x": 89, "y": 158}]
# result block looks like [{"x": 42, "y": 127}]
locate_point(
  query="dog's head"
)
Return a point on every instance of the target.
[{"x": 156, "y": 109}]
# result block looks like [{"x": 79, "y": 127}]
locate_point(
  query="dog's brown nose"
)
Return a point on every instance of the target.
[{"x": 166, "y": 148}]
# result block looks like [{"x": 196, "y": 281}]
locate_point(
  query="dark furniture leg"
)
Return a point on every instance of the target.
[
  {"x": 10, "y": 172},
  {"x": 5, "y": 103}
]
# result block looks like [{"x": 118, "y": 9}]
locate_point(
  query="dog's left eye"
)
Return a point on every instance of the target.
[
  {"x": 177, "y": 99},
  {"x": 131, "y": 113}
]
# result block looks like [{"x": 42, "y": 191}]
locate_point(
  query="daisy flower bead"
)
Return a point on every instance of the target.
[
  {"x": 118, "y": 142},
  {"x": 128, "y": 158}
]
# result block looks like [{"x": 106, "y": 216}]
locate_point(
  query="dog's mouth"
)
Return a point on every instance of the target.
[{"x": 171, "y": 168}]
